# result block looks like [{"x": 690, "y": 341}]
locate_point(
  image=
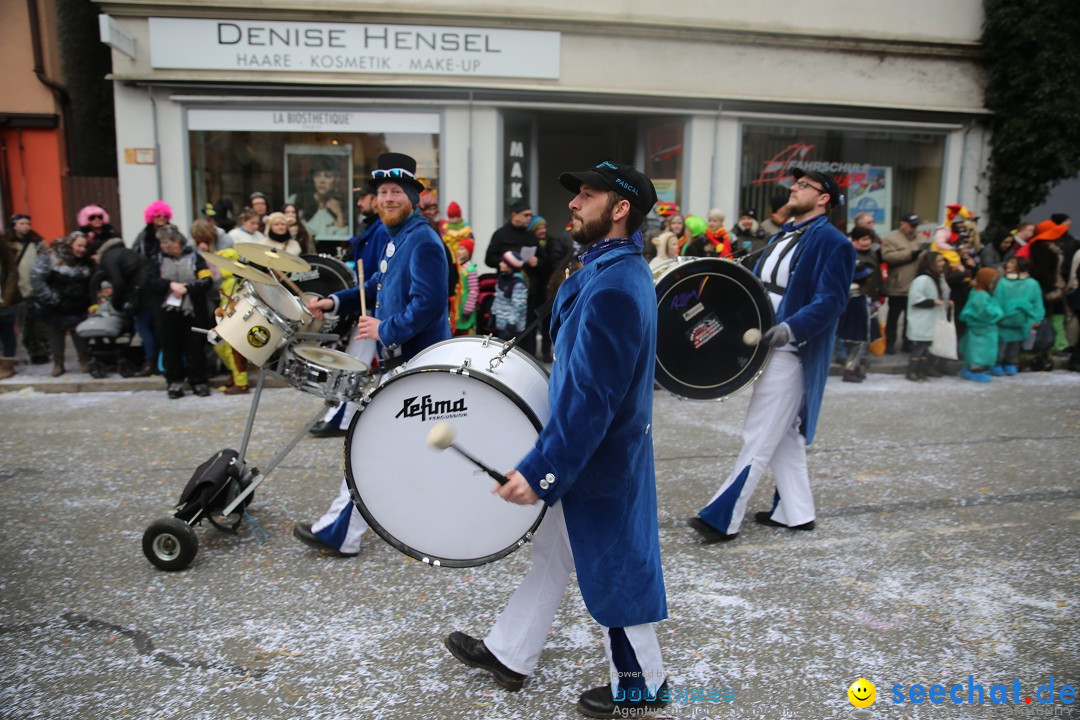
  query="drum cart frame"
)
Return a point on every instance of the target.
[{"x": 170, "y": 543}]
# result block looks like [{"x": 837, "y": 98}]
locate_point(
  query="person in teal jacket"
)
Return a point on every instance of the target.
[
  {"x": 592, "y": 463},
  {"x": 1020, "y": 299},
  {"x": 979, "y": 345}
]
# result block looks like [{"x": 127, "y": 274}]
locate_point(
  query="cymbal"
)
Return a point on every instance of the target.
[
  {"x": 239, "y": 269},
  {"x": 271, "y": 258},
  {"x": 328, "y": 358}
]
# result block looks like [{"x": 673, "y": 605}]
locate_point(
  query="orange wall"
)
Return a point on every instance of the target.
[{"x": 33, "y": 179}]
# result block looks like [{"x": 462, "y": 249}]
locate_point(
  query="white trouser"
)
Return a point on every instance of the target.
[
  {"x": 342, "y": 525},
  {"x": 518, "y": 637},
  {"x": 771, "y": 438}
]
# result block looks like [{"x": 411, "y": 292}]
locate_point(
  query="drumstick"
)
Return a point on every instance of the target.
[
  {"x": 441, "y": 436},
  {"x": 360, "y": 274},
  {"x": 284, "y": 277}
]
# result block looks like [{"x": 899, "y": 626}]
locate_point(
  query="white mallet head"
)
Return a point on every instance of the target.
[
  {"x": 440, "y": 436},
  {"x": 751, "y": 336}
]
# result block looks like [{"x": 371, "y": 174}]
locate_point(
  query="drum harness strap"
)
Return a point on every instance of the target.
[{"x": 771, "y": 285}]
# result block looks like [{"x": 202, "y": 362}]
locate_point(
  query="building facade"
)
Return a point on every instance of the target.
[{"x": 715, "y": 101}]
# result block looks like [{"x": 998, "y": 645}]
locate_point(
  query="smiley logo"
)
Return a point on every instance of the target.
[{"x": 862, "y": 693}]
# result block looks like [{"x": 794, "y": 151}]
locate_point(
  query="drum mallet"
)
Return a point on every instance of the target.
[{"x": 441, "y": 436}]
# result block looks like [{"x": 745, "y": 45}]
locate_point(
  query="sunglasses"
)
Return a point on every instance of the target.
[
  {"x": 392, "y": 173},
  {"x": 96, "y": 217}
]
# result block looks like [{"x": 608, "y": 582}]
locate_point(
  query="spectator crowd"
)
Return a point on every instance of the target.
[{"x": 937, "y": 292}]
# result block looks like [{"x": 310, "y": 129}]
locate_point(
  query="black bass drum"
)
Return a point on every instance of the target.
[
  {"x": 327, "y": 276},
  {"x": 711, "y": 314}
]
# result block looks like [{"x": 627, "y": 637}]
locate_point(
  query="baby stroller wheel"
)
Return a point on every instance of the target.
[
  {"x": 128, "y": 368},
  {"x": 170, "y": 544},
  {"x": 97, "y": 370}
]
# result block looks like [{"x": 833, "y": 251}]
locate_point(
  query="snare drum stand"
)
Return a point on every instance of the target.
[{"x": 253, "y": 476}]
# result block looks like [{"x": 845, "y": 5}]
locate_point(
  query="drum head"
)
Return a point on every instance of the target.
[
  {"x": 327, "y": 276},
  {"x": 281, "y": 301},
  {"x": 327, "y": 358},
  {"x": 704, "y": 308},
  {"x": 432, "y": 504}
]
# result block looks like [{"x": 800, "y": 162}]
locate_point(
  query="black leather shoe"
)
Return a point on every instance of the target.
[
  {"x": 474, "y": 653},
  {"x": 763, "y": 518},
  {"x": 598, "y": 703},
  {"x": 201, "y": 389},
  {"x": 302, "y": 532},
  {"x": 176, "y": 391},
  {"x": 708, "y": 533},
  {"x": 324, "y": 429}
]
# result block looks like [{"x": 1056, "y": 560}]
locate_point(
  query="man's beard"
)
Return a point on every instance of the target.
[
  {"x": 593, "y": 230},
  {"x": 392, "y": 218}
]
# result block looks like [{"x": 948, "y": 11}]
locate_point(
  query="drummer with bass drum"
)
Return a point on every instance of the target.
[
  {"x": 409, "y": 295},
  {"x": 807, "y": 270},
  {"x": 367, "y": 248},
  {"x": 592, "y": 463}
]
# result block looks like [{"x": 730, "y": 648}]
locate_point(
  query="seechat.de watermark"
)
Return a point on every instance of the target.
[{"x": 975, "y": 693}]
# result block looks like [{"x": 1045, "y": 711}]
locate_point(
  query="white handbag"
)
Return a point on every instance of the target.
[{"x": 944, "y": 344}]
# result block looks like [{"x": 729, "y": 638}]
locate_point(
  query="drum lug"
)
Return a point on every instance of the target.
[
  {"x": 464, "y": 368},
  {"x": 248, "y": 314}
]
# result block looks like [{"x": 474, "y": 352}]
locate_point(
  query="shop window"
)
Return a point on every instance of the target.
[
  {"x": 664, "y": 159},
  {"x": 314, "y": 169},
  {"x": 885, "y": 172}
]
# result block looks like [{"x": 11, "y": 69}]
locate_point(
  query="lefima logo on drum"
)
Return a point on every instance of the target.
[{"x": 425, "y": 407}]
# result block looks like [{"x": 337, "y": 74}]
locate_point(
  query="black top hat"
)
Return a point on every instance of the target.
[{"x": 398, "y": 168}]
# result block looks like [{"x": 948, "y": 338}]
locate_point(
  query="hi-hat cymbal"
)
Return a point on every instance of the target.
[
  {"x": 328, "y": 358},
  {"x": 239, "y": 269},
  {"x": 271, "y": 258}
]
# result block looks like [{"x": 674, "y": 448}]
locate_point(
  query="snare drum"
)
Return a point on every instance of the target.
[
  {"x": 327, "y": 276},
  {"x": 704, "y": 307},
  {"x": 260, "y": 319},
  {"x": 330, "y": 374},
  {"x": 434, "y": 505}
]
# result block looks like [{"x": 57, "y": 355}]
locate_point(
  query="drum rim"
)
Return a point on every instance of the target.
[
  {"x": 294, "y": 351},
  {"x": 491, "y": 339},
  {"x": 268, "y": 312},
  {"x": 305, "y": 314},
  {"x": 397, "y": 544},
  {"x": 769, "y": 316}
]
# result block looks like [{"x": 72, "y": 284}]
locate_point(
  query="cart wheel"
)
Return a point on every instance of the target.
[
  {"x": 97, "y": 370},
  {"x": 170, "y": 544}
]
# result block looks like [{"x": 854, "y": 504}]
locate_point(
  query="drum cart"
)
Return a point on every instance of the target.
[{"x": 221, "y": 487}]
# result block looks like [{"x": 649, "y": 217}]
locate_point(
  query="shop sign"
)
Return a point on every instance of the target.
[
  {"x": 282, "y": 46},
  {"x": 296, "y": 119}
]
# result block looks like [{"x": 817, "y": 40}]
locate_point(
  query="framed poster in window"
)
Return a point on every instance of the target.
[{"x": 318, "y": 180}]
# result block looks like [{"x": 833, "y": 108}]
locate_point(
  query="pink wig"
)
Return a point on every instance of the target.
[
  {"x": 84, "y": 215},
  {"x": 155, "y": 208}
]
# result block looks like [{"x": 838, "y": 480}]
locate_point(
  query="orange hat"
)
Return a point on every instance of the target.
[{"x": 1049, "y": 230}]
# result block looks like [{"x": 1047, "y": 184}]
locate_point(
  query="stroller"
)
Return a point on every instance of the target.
[{"x": 109, "y": 336}]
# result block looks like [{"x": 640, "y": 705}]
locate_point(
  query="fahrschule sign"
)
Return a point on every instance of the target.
[{"x": 200, "y": 44}]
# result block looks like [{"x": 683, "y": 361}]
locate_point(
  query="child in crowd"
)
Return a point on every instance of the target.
[
  {"x": 247, "y": 228},
  {"x": 233, "y": 361},
  {"x": 1020, "y": 299},
  {"x": 853, "y": 330},
  {"x": 718, "y": 236},
  {"x": 468, "y": 288},
  {"x": 511, "y": 297},
  {"x": 696, "y": 245},
  {"x": 928, "y": 299},
  {"x": 979, "y": 344}
]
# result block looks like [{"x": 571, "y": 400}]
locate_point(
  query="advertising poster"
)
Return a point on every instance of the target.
[
  {"x": 871, "y": 191},
  {"x": 318, "y": 180},
  {"x": 665, "y": 189}
]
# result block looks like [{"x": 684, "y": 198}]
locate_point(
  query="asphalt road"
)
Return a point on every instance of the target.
[{"x": 947, "y": 546}]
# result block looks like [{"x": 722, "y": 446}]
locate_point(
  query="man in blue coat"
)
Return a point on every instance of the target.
[
  {"x": 807, "y": 270},
  {"x": 593, "y": 462},
  {"x": 367, "y": 249},
  {"x": 408, "y": 293}
]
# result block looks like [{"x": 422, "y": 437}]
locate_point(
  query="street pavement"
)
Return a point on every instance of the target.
[{"x": 947, "y": 546}]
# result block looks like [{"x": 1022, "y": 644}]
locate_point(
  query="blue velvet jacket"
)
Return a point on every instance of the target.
[
  {"x": 369, "y": 246},
  {"x": 816, "y": 296},
  {"x": 596, "y": 452},
  {"x": 409, "y": 298}
]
